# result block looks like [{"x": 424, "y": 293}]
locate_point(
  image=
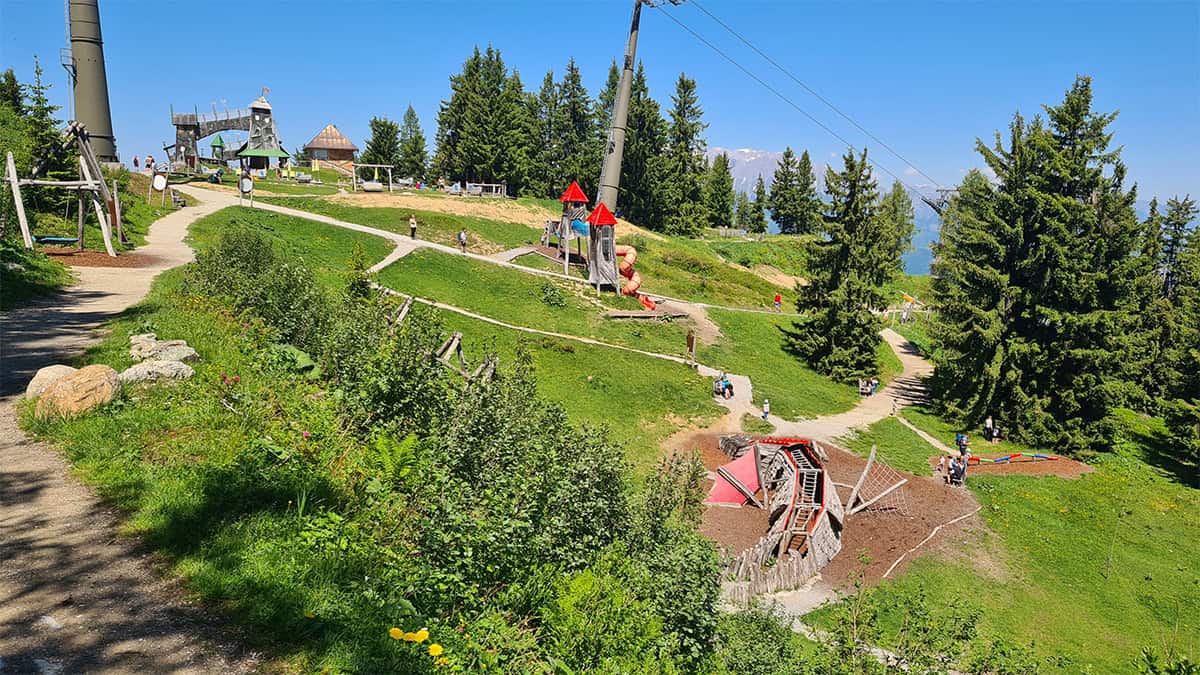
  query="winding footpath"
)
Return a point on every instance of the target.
[{"x": 75, "y": 597}]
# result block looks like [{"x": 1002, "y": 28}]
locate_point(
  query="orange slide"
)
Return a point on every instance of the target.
[{"x": 628, "y": 256}]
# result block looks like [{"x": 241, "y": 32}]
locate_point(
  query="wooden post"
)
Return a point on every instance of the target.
[
  {"x": 389, "y": 179},
  {"x": 82, "y": 208},
  {"x": 861, "y": 479},
  {"x": 105, "y": 230},
  {"x": 11, "y": 170},
  {"x": 116, "y": 193}
]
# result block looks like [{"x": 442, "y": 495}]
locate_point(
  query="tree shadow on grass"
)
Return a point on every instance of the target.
[{"x": 1158, "y": 452}]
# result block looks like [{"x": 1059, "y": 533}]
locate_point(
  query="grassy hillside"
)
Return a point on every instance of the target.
[{"x": 26, "y": 274}]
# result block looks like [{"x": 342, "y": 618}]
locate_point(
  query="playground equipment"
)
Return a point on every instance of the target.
[
  {"x": 91, "y": 181},
  {"x": 450, "y": 349},
  {"x": 258, "y": 149},
  {"x": 878, "y": 489},
  {"x": 1014, "y": 457},
  {"x": 373, "y": 185},
  {"x": 787, "y": 477}
]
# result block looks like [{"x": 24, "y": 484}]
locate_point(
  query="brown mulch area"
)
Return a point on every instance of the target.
[
  {"x": 883, "y": 536},
  {"x": 75, "y": 258},
  {"x": 1061, "y": 467}
]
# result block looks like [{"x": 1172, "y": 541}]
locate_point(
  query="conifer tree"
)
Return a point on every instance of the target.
[
  {"x": 784, "y": 201},
  {"x": 576, "y": 129},
  {"x": 685, "y": 161},
  {"x": 899, "y": 219},
  {"x": 719, "y": 192},
  {"x": 643, "y": 195},
  {"x": 10, "y": 91},
  {"x": 838, "y": 332},
  {"x": 758, "y": 216},
  {"x": 45, "y": 138},
  {"x": 383, "y": 147},
  {"x": 607, "y": 100},
  {"x": 809, "y": 220},
  {"x": 448, "y": 160},
  {"x": 414, "y": 158},
  {"x": 1180, "y": 213},
  {"x": 744, "y": 211},
  {"x": 544, "y": 152},
  {"x": 1034, "y": 282}
]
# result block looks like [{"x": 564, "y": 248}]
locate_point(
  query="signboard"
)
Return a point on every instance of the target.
[
  {"x": 159, "y": 182},
  {"x": 246, "y": 185}
]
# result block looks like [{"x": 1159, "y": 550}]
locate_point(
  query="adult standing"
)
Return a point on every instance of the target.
[
  {"x": 412, "y": 226},
  {"x": 989, "y": 429},
  {"x": 135, "y": 162}
]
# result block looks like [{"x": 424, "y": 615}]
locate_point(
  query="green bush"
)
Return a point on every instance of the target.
[{"x": 552, "y": 294}]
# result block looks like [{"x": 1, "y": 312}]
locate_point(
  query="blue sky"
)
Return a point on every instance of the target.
[{"x": 926, "y": 77}]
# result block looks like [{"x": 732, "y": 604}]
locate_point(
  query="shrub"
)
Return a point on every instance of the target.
[
  {"x": 552, "y": 294},
  {"x": 758, "y": 641}
]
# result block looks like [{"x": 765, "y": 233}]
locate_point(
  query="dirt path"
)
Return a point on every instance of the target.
[{"x": 74, "y": 597}]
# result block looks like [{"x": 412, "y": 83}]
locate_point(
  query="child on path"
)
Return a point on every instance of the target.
[
  {"x": 766, "y": 408},
  {"x": 462, "y": 239},
  {"x": 778, "y": 303},
  {"x": 412, "y": 226}
]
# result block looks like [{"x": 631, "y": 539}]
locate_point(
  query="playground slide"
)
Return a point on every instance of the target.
[{"x": 628, "y": 256}]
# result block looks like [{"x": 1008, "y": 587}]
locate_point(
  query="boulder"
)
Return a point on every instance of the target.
[
  {"x": 148, "y": 346},
  {"x": 79, "y": 392},
  {"x": 155, "y": 369},
  {"x": 45, "y": 377}
]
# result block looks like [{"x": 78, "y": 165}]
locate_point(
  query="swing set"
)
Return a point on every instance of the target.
[{"x": 90, "y": 183}]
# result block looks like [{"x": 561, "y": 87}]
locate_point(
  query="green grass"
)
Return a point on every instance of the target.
[
  {"x": 1091, "y": 569},
  {"x": 516, "y": 297},
  {"x": 752, "y": 424},
  {"x": 784, "y": 253},
  {"x": 753, "y": 345},
  {"x": 923, "y": 418},
  {"x": 37, "y": 275},
  {"x": 541, "y": 262},
  {"x": 920, "y": 286},
  {"x": 324, "y": 249},
  {"x": 917, "y": 332},
  {"x": 688, "y": 269},
  {"x": 898, "y": 445},
  {"x": 432, "y": 226}
]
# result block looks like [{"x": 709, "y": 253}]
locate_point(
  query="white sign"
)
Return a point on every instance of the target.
[
  {"x": 160, "y": 182},
  {"x": 246, "y": 185}
]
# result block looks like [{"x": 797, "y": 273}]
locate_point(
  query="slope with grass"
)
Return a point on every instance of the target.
[{"x": 26, "y": 274}]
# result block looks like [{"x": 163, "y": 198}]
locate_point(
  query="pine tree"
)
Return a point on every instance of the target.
[
  {"x": 10, "y": 91},
  {"x": 758, "y": 217},
  {"x": 448, "y": 160},
  {"x": 383, "y": 147},
  {"x": 43, "y": 127},
  {"x": 719, "y": 192},
  {"x": 785, "y": 202},
  {"x": 685, "y": 161},
  {"x": 481, "y": 145},
  {"x": 745, "y": 211},
  {"x": 576, "y": 129},
  {"x": 414, "y": 158},
  {"x": 899, "y": 218},
  {"x": 1035, "y": 282},
  {"x": 643, "y": 195},
  {"x": 838, "y": 332},
  {"x": 1180, "y": 212},
  {"x": 516, "y": 129},
  {"x": 808, "y": 219},
  {"x": 607, "y": 100},
  {"x": 544, "y": 150}
]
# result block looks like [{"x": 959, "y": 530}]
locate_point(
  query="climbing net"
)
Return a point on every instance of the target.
[{"x": 880, "y": 489}]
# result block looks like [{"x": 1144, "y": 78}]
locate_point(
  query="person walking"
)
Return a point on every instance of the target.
[
  {"x": 989, "y": 430},
  {"x": 874, "y": 385},
  {"x": 135, "y": 162},
  {"x": 778, "y": 303},
  {"x": 412, "y": 226},
  {"x": 462, "y": 239},
  {"x": 766, "y": 408}
]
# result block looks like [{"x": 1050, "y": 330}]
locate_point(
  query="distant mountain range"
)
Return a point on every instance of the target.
[{"x": 748, "y": 164}]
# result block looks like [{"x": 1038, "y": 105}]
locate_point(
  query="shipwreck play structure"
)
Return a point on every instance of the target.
[
  {"x": 806, "y": 517},
  {"x": 261, "y": 144}
]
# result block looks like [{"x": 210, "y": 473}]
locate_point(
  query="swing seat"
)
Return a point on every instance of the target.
[{"x": 43, "y": 239}]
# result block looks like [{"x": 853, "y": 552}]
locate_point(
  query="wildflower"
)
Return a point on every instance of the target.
[
  {"x": 441, "y": 662},
  {"x": 435, "y": 649},
  {"x": 237, "y": 378},
  {"x": 422, "y": 635},
  {"x": 306, "y": 435},
  {"x": 410, "y": 637},
  {"x": 396, "y": 633}
]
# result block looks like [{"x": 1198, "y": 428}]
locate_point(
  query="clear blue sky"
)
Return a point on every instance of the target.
[{"x": 926, "y": 77}]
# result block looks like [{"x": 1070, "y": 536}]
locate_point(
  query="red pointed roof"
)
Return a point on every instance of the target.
[
  {"x": 601, "y": 216},
  {"x": 573, "y": 194}
]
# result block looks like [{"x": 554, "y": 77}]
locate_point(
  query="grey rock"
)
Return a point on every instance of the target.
[
  {"x": 45, "y": 377},
  {"x": 154, "y": 370}
]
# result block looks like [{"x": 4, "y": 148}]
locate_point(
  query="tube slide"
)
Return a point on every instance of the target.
[{"x": 628, "y": 256}]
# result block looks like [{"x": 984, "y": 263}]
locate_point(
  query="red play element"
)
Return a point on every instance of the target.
[
  {"x": 573, "y": 194},
  {"x": 601, "y": 215},
  {"x": 742, "y": 468}
]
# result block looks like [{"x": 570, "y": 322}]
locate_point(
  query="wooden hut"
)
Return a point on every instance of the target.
[{"x": 331, "y": 146}]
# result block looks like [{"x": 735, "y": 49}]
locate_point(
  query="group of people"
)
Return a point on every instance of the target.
[
  {"x": 723, "y": 387},
  {"x": 868, "y": 387},
  {"x": 953, "y": 469},
  {"x": 149, "y": 163}
]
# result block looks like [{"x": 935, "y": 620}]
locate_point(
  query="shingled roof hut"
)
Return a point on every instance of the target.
[{"x": 333, "y": 147}]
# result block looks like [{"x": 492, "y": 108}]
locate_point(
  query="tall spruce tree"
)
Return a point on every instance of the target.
[
  {"x": 1033, "y": 280},
  {"x": 838, "y": 331},
  {"x": 719, "y": 192},
  {"x": 744, "y": 211},
  {"x": 644, "y": 188},
  {"x": 10, "y": 91},
  {"x": 685, "y": 170},
  {"x": 383, "y": 147},
  {"x": 414, "y": 158},
  {"x": 45, "y": 137},
  {"x": 575, "y": 125},
  {"x": 899, "y": 218},
  {"x": 448, "y": 160},
  {"x": 784, "y": 202},
  {"x": 808, "y": 219},
  {"x": 545, "y": 152},
  {"x": 758, "y": 216},
  {"x": 1180, "y": 213}
]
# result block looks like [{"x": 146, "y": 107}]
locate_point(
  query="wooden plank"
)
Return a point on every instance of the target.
[
  {"x": 739, "y": 486},
  {"x": 65, "y": 184},
  {"x": 14, "y": 183},
  {"x": 861, "y": 479},
  {"x": 104, "y": 228},
  {"x": 876, "y": 498}
]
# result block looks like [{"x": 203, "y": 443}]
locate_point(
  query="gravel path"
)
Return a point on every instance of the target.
[{"x": 75, "y": 597}]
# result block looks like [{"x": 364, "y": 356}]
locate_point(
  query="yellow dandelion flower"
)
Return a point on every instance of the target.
[
  {"x": 435, "y": 649},
  {"x": 410, "y": 637},
  {"x": 441, "y": 662},
  {"x": 395, "y": 633},
  {"x": 422, "y": 635}
]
